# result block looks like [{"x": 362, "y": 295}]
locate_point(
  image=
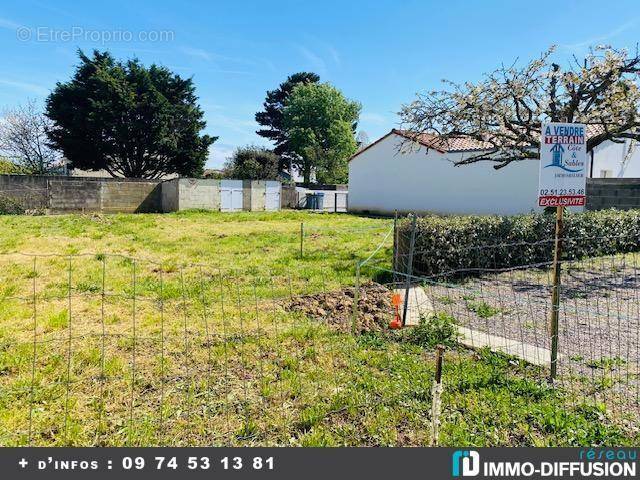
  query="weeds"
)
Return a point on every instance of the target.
[
  {"x": 482, "y": 308},
  {"x": 606, "y": 363},
  {"x": 438, "y": 329}
]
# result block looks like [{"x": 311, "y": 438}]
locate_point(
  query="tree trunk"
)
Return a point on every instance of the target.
[{"x": 306, "y": 171}]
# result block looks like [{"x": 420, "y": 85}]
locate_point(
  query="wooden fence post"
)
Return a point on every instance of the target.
[
  {"x": 356, "y": 298},
  {"x": 436, "y": 395},
  {"x": 301, "y": 240},
  {"x": 555, "y": 296}
]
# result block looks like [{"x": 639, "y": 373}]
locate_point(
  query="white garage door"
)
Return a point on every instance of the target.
[
  {"x": 272, "y": 196},
  {"x": 231, "y": 195}
]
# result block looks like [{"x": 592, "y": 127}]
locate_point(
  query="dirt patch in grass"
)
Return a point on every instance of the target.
[{"x": 336, "y": 307}]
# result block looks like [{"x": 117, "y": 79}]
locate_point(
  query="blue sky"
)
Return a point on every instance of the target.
[{"x": 379, "y": 53}]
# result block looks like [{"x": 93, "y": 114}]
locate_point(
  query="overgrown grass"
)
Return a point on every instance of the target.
[
  {"x": 246, "y": 240},
  {"x": 194, "y": 345}
]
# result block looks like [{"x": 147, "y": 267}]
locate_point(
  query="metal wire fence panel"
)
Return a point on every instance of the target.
[
  {"x": 113, "y": 350},
  {"x": 495, "y": 323}
]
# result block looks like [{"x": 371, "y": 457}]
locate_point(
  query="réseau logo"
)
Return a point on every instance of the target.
[{"x": 465, "y": 463}]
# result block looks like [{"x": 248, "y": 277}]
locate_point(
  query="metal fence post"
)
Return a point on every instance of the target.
[
  {"x": 356, "y": 298},
  {"x": 335, "y": 203},
  {"x": 301, "y": 240},
  {"x": 409, "y": 271},
  {"x": 555, "y": 297},
  {"x": 395, "y": 246}
]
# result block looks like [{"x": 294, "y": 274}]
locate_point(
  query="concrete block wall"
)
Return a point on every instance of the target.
[
  {"x": 334, "y": 199},
  {"x": 620, "y": 193},
  {"x": 131, "y": 197},
  {"x": 246, "y": 195},
  {"x": 60, "y": 194},
  {"x": 32, "y": 191},
  {"x": 67, "y": 194},
  {"x": 258, "y": 193},
  {"x": 253, "y": 193},
  {"x": 169, "y": 195},
  {"x": 196, "y": 193}
]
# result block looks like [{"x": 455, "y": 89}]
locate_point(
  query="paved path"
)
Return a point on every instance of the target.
[
  {"x": 529, "y": 353},
  {"x": 420, "y": 306}
]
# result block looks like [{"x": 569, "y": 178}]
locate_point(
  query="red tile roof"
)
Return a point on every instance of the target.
[
  {"x": 454, "y": 144},
  {"x": 451, "y": 144}
]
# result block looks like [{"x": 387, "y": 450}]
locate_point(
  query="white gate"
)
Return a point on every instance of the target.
[
  {"x": 272, "y": 196},
  {"x": 230, "y": 195}
]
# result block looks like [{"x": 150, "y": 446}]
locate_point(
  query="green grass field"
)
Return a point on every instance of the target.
[{"x": 173, "y": 330}]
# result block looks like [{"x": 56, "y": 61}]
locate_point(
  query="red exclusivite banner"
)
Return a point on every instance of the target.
[{"x": 562, "y": 201}]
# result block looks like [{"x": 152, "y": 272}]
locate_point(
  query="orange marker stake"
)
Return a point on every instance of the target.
[{"x": 396, "y": 301}]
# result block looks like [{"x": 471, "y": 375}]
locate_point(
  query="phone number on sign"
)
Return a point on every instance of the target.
[
  {"x": 560, "y": 191},
  {"x": 140, "y": 463}
]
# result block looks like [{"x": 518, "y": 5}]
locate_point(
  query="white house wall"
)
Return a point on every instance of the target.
[
  {"x": 382, "y": 180},
  {"x": 609, "y": 156}
]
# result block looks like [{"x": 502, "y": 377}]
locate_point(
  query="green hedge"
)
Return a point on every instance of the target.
[{"x": 456, "y": 245}]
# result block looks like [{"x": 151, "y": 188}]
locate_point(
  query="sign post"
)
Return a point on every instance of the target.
[{"x": 562, "y": 183}]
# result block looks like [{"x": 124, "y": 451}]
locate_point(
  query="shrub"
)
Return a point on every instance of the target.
[
  {"x": 456, "y": 245},
  {"x": 8, "y": 167},
  {"x": 10, "y": 206},
  {"x": 438, "y": 329}
]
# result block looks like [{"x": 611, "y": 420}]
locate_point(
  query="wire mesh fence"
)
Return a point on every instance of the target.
[
  {"x": 116, "y": 350},
  {"x": 144, "y": 354},
  {"x": 497, "y": 317}
]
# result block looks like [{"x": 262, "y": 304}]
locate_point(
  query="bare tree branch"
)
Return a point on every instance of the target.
[
  {"x": 24, "y": 141},
  {"x": 503, "y": 112}
]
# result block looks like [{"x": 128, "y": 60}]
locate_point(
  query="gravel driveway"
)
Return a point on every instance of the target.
[{"x": 599, "y": 326}]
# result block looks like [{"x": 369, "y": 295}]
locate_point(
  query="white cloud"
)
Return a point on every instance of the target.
[
  {"x": 316, "y": 62},
  {"x": 218, "y": 154},
  {"x": 601, "y": 38},
  {"x": 29, "y": 87},
  {"x": 372, "y": 117},
  {"x": 196, "y": 53},
  {"x": 9, "y": 24}
]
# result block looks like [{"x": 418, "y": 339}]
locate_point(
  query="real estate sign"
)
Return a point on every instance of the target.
[{"x": 563, "y": 165}]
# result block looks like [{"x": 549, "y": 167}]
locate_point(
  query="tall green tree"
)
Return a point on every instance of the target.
[
  {"x": 320, "y": 124},
  {"x": 252, "y": 163},
  {"x": 128, "y": 119},
  {"x": 272, "y": 118}
]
